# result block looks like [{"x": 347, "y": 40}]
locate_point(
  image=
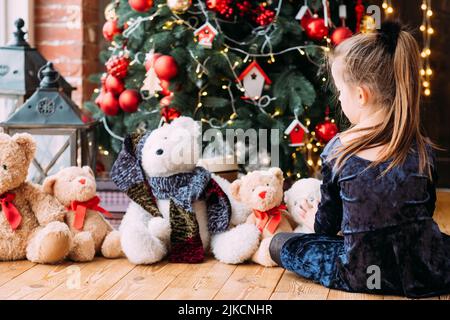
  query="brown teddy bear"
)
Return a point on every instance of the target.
[
  {"x": 263, "y": 192},
  {"x": 76, "y": 189},
  {"x": 31, "y": 222}
]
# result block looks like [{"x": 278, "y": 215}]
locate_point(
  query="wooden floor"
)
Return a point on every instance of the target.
[{"x": 119, "y": 279}]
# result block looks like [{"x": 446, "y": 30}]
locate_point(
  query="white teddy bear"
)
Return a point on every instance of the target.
[
  {"x": 304, "y": 189},
  {"x": 177, "y": 209}
]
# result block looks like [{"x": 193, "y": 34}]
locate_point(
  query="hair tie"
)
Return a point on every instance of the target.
[{"x": 388, "y": 35}]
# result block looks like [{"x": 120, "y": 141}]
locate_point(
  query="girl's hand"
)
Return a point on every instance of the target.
[{"x": 308, "y": 213}]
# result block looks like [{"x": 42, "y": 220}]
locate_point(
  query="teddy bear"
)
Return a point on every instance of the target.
[
  {"x": 31, "y": 222},
  {"x": 263, "y": 192},
  {"x": 76, "y": 189},
  {"x": 177, "y": 209},
  {"x": 303, "y": 189}
]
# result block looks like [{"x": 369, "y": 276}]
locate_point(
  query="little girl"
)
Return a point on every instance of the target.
[{"x": 378, "y": 181}]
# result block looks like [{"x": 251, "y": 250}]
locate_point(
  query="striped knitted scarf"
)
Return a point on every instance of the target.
[{"x": 181, "y": 190}]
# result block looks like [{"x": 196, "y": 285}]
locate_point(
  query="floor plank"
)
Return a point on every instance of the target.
[
  {"x": 37, "y": 281},
  {"x": 293, "y": 287},
  {"x": 342, "y": 295},
  {"x": 250, "y": 282},
  {"x": 145, "y": 282},
  {"x": 10, "y": 270},
  {"x": 96, "y": 278},
  {"x": 201, "y": 282}
]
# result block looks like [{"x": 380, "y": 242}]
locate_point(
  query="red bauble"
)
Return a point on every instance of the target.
[
  {"x": 99, "y": 99},
  {"x": 166, "y": 101},
  {"x": 111, "y": 29},
  {"x": 140, "y": 5},
  {"x": 340, "y": 34},
  {"x": 166, "y": 68},
  {"x": 150, "y": 62},
  {"x": 165, "y": 87},
  {"x": 118, "y": 66},
  {"x": 325, "y": 131},
  {"x": 223, "y": 7},
  {"x": 169, "y": 114},
  {"x": 114, "y": 85},
  {"x": 109, "y": 104},
  {"x": 316, "y": 29},
  {"x": 129, "y": 100}
]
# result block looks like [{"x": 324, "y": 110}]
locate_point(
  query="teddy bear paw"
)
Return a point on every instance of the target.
[
  {"x": 236, "y": 245},
  {"x": 159, "y": 228},
  {"x": 83, "y": 247},
  {"x": 262, "y": 255},
  {"x": 111, "y": 247}
]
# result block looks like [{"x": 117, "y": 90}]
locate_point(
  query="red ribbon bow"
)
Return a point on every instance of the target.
[
  {"x": 10, "y": 211},
  {"x": 270, "y": 219},
  {"x": 81, "y": 208}
]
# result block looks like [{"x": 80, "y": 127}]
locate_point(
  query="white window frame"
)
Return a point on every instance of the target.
[{"x": 10, "y": 10}]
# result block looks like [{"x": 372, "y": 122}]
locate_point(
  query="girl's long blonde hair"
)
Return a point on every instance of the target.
[{"x": 388, "y": 63}]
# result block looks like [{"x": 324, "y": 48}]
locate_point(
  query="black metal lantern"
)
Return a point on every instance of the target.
[
  {"x": 19, "y": 67},
  {"x": 65, "y": 137}
]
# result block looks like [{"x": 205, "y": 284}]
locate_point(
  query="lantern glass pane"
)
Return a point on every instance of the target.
[
  {"x": 53, "y": 154},
  {"x": 8, "y": 104}
]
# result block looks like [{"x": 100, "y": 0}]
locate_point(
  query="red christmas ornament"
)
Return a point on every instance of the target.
[
  {"x": 166, "y": 101},
  {"x": 118, "y": 66},
  {"x": 169, "y": 114},
  {"x": 326, "y": 130},
  {"x": 114, "y": 85},
  {"x": 166, "y": 67},
  {"x": 359, "y": 11},
  {"x": 165, "y": 87},
  {"x": 340, "y": 34},
  {"x": 109, "y": 104},
  {"x": 99, "y": 99},
  {"x": 316, "y": 29},
  {"x": 223, "y": 7},
  {"x": 129, "y": 100},
  {"x": 140, "y": 5},
  {"x": 150, "y": 62},
  {"x": 244, "y": 7},
  {"x": 264, "y": 16},
  {"x": 111, "y": 29}
]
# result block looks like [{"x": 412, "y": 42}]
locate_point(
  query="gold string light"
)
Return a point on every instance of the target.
[
  {"x": 388, "y": 8},
  {"x": 427, "y": 32}
]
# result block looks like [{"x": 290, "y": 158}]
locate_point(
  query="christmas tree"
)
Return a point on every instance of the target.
[{"x": 231, "y": 64}]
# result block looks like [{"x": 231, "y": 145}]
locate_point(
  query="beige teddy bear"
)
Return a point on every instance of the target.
[
  {"x": 263, "y": 192},
  {"x": 31, "y": 222},
  {"x": 76, "y": 189}
]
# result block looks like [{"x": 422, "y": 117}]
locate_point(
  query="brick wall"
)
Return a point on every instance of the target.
[{"x": 67, "y": 33}]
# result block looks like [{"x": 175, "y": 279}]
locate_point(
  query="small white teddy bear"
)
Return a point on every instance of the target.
[
  {"x": 304, "y": 189},
  {"x": 177, "y": 208}
]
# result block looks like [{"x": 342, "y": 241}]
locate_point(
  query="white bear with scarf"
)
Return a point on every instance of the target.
[{"x": 178, "y": 209}]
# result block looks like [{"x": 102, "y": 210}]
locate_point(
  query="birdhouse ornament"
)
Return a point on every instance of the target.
[
  {"x": 206, "y": 35},
  {"x": 254, "y": 79},
  {"x": 296, "y": 132}
]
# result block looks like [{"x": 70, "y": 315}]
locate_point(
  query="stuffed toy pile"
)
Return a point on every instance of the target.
[
  {"x": 263, "y": 192},
  {"x": 31, "y": 222},
  {"x": 76, "y": 189},
  {"x": 177, "y": 208}
]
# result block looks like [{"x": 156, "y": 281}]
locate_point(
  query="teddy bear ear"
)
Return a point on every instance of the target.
[
  {"x": 49, "y": 184},
  {"x": 27, "y": 143},
  {"x": 88, "y": 170},
  {"x": 189, "y": 124},
  {"x": 235, "y": 189},
  {"x": 277, "y": 172}
]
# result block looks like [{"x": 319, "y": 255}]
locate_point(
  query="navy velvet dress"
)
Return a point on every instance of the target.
[{"x": 387, "y": 227}]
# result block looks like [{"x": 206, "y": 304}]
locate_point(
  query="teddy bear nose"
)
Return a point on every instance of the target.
[
  {"x": 262, "y": 195},
  {"x": 159, "y": 152},
  {"x": 82, "y": 181}
]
